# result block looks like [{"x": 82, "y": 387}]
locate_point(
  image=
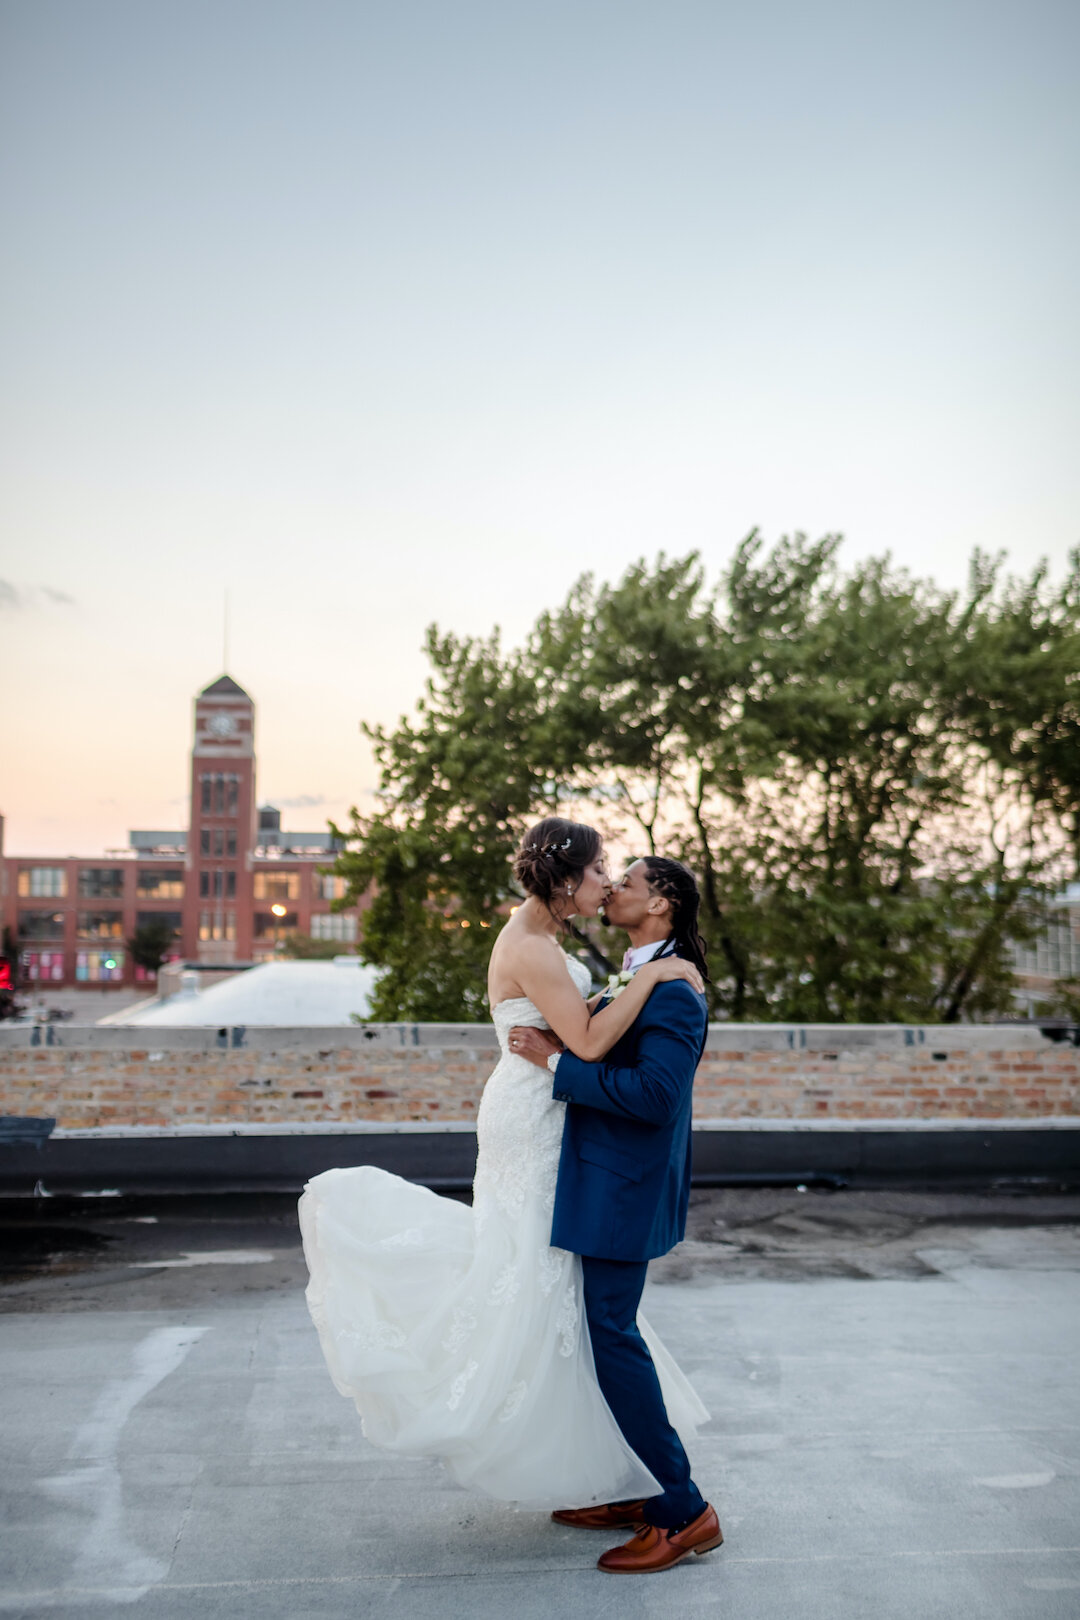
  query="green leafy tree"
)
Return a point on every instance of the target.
[
  {"x": 150, "y": 944},
  {"x": 870, "y": 886},
  {"x": 1016, "y": 687},
  {"x": 872, "y": 807},
  {"x": 299, "y": 947},
  {"x": 458, "y": 781},
  {"x": 1062, "y": 1002}
]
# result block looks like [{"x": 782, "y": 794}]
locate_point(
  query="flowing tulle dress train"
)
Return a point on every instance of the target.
[{"x": 459, "y": 1332}]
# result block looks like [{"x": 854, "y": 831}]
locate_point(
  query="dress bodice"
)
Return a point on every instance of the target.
[{"x": 520, "y": 1010}]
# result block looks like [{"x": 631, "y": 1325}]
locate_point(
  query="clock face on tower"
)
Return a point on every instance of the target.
[{"x": 221, "y": 725}]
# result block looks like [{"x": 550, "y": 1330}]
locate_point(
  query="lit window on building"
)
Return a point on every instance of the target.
[
  {"x": 99, "y": 967},
  {"x": 41, "y": 925},
  {"x": 329, "y": 886},
  {"x": 42, "y": 883},
  {"x": 270, "y": 926},
  {"x": 334, "y": 925},
  {"x": 277, "y": 885},
  {"x": 101, "y": 882},
  {"x": 167, "y": 883},
  {"x": 100, "y": 925},
  {"x": 217, "y": 925},
  {"x": 41, "y": 965}
]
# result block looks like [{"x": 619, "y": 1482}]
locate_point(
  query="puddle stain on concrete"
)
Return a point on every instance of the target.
[
  {"x": 105, "y": 1553},
  {"x": 208, "y": 1257}
]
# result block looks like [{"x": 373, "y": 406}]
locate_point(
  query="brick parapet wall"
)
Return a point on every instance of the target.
[{"x": 107, "y": 1077}]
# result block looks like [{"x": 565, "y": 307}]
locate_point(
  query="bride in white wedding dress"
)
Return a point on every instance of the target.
[{"x": 459, "y": 1331}]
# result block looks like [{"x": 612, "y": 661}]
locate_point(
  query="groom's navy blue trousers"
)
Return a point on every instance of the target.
[
  {"x": 627, "y": 1377},
  {"x": 624, "y": 1184}
]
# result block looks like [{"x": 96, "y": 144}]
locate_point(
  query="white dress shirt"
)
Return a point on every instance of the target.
[{"x": 637, "y": 956}]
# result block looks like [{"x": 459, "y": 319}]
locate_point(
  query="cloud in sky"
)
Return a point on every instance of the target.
[
  {"x": 16, "y": 597},
  {"x": 302, "y": 801}
]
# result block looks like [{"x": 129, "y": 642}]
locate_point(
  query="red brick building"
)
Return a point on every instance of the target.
[{"x": 231, "y": 886}]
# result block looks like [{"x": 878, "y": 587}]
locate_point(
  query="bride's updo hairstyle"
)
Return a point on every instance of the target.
[{"x": 554, "y": 854}]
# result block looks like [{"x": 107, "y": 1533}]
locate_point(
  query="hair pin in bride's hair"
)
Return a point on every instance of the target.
[{"x": 546, "y": 851}]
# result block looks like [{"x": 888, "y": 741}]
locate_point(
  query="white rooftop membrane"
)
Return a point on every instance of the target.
[{"x": 290, "y": 993}]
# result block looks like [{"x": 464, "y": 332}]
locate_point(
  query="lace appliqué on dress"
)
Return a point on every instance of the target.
[
  {"x": 519, "y": 1124},
  {"x": 566, "y": 1324},
  {"x": 504, "y": 1289},
  {"x": 411, "y": 1238},
  {"x": 512, "y": 1404},
  {"x": 462, "y": 1323},
  {"x": 549, "y": 1266},
  {"x": 458, "y": 1387},
  {"x": 379, "y": 1336}
]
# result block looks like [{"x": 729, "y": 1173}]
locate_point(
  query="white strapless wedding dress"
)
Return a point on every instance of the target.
[{"x": 459, "y": 1332}]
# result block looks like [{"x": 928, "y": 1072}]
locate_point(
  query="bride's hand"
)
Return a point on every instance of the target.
[{"x": 673, "y": 967}]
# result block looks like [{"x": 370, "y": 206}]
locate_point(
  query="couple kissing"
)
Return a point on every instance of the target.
[{"x": 506, "y": 1339}]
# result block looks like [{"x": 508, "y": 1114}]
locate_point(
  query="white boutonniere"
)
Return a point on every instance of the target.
[{"x": 617, "y": 983}]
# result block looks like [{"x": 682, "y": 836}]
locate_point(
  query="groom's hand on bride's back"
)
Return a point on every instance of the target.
[
  {"x": 534, "y": 1045},
  {"x": 666, "y": 968}
]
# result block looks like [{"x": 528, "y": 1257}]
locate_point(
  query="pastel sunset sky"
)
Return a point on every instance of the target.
[{"x": 373, "y": 315}]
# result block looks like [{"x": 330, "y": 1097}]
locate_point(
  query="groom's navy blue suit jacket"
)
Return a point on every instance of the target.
[{"x": 624, "y": 1174}]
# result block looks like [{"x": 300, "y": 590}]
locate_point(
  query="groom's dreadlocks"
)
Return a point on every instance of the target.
[{"x": 676, "y": 884}]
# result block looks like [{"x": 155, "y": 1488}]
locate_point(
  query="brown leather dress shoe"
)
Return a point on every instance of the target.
[
  {"x": 605, "y": 1516},
  {"x": 653, "y": 1549}
]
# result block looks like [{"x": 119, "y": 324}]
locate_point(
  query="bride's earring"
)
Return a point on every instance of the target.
[{"x": 570, "y": 888}]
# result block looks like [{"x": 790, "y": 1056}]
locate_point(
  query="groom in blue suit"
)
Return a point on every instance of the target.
[{"x": 621, "y": 1200}]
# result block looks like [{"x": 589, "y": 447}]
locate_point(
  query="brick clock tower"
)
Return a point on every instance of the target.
[{"x": 222, "y": 833}]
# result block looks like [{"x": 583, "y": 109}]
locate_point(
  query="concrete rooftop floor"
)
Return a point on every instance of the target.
[{"x": 896, "y": 1428}]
